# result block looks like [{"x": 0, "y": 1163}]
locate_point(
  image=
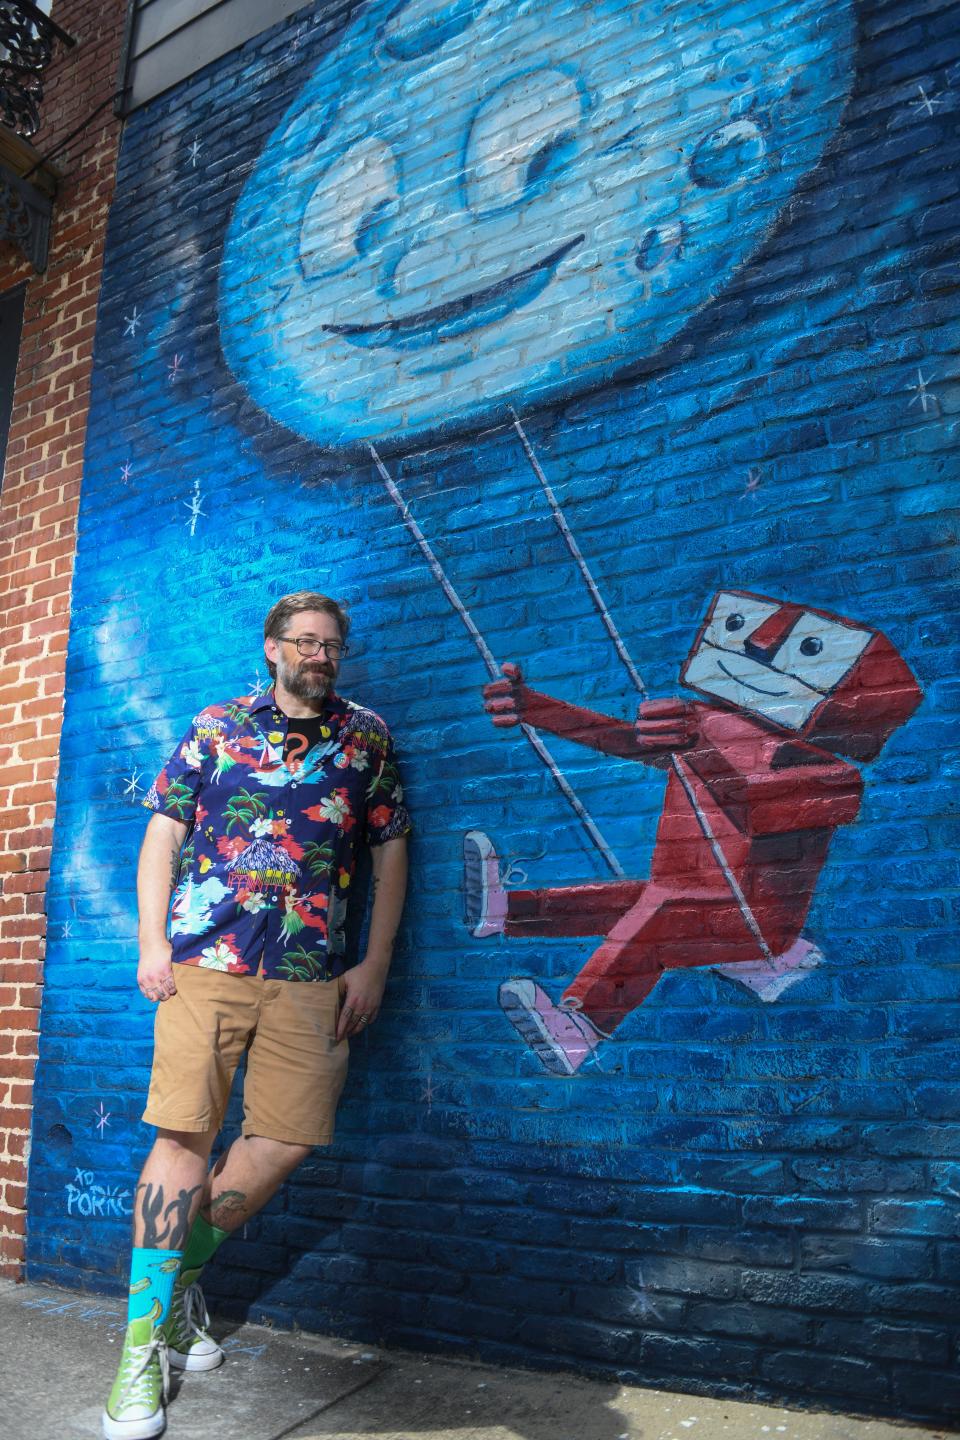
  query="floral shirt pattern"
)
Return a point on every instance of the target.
[{"x": 266, "y": 869}]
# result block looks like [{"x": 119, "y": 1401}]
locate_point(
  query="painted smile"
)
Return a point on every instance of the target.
[
  {"x": 746, "y": 683},
  {"x": 468, "y": 312}
]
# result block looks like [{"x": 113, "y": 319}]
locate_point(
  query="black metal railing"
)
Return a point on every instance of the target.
[{"x": 27, "y": 39}]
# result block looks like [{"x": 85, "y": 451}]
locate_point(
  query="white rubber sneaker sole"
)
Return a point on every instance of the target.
[
  {"x": 143, "y": 1428},
  {"x": 485, "y": 901},
  {"x": 194, "y": 1362}
]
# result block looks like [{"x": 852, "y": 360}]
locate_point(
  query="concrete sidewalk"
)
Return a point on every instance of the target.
[{"x": 58, "y": 1351}]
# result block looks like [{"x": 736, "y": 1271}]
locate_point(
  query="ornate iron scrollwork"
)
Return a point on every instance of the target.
[
  {"x": 24, "y": 217},
  {"x": 27, "y": 39}
]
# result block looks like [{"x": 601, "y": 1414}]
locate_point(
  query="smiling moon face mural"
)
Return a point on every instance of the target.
[{"x": 484, "y": 201}]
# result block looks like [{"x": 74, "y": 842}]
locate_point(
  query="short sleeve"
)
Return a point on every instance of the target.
[
  {"x": 176, "y": 788},
  {"x": 387, "y": 817}
]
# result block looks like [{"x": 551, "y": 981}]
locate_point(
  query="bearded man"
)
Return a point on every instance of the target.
[{"x": 261, "y": 817}]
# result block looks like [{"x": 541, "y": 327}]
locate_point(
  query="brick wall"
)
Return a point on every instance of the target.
[
  {"x": 709, "y": 258},
  {"x": 38, "y": 510}
]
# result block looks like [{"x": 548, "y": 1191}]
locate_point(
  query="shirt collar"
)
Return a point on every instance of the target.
[
  {"x": 265, "y": 701},
  {"x": 268, "y": 701}
]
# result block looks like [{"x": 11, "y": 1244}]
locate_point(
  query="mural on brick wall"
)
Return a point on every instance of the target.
[
  {"x": 748, "y": 815},
  {"x": 603, "y": 360},
  {"x": 467, "y": 203}
]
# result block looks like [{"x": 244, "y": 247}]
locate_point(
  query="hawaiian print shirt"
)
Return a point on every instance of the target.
[{"x": 266, "y": 869}]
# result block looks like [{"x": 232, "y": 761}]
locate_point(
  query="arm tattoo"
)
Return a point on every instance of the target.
[
  {"x": 165, "y": 1225},
  {"x": 174, "y": 866}
]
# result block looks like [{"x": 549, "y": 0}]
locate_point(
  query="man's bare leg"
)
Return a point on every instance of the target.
[
  {"x": 165, "y": 1203},
  {"x": 238, "y": 1186},
  {"x": 169, "y": 1190},
  {"x": 243, "y": 1180}
]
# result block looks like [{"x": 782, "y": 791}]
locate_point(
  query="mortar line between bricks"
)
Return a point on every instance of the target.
[{"x": 291, "y": 1430}]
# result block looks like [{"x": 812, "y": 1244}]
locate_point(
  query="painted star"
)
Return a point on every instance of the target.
[
  {"x": 753, "y": 483},
  {"x": 195, "y": 149},
  {"x": 258, "y": 687},
  {"x": 194, "y": 506},
  {"x": 923, "y": 395},
  {"x": 103, "y": 1118},
  {"x": 175, "y": 367},
  {"x": 926, "y": 102},
  {"x": 132, "y": 321},
  {"x": 125, "y": 471},
  {"x": 133, "y": 786},
  {"x": 66, "y": 929},
  {"x": 427, "y": 1093},
  {"x": 642, "y": 1306}
]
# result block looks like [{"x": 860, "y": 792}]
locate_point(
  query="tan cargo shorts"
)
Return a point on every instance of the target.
[{"x": 296, "y": 1067}]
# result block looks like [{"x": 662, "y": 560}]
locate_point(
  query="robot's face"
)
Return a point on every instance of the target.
[
  {"x": 778, "y": 660},
  {"x": 474, "y": 201}
]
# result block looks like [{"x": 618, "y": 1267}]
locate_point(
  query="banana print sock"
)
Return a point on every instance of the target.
[
  {"x": 203, "y": 1241},
  {"x": 152, "y": 1273}
]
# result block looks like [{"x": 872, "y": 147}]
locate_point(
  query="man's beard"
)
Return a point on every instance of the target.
[{"x": 306, "y": 682}]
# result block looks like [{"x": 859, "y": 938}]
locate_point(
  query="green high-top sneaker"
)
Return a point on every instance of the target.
[
  {"x": 189, "y": 1346},
  {"x": 135, "y": 1407}
]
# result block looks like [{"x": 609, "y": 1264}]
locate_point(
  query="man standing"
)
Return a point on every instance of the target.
[{"x": 260, "y": 819}]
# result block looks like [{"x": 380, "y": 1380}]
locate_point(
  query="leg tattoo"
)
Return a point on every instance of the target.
[
  {"x": 226, "y": 1209},
  {"x": 165, "y": 1225}
]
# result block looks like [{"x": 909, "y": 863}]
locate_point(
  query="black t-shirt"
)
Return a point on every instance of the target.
[{"x": 303, "y": 732}]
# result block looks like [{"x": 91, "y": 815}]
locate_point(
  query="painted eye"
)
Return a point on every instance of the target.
[
  {"x": 372, "y": 228},
  {"x": 735, "y": 622},
  {"x": 347, "y": 213},
  {"x": 520, "y": 139},
  {"x": 820, "y": 651},
  {"x": 547, "y": 161}
]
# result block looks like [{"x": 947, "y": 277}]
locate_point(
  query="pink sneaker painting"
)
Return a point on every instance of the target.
[
  {"x": 560, "y": 1037},
  {"x": 484, "y": 898},
  {"x": 769, "y": 978}
]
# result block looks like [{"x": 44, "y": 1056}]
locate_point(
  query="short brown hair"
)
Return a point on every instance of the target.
[{"x": 280, "y": 615}]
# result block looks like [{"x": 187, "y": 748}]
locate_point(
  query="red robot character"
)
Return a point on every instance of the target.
[{"x": 754, "y": 794}]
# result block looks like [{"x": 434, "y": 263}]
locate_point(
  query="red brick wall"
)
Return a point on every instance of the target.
[{"x": 38, "y": 509}]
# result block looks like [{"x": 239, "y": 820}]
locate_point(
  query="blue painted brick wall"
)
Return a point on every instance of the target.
[{"x": 738, "y": 1197}]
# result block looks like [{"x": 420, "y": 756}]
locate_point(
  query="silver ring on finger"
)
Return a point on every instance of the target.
[{"x": 363, "y": 1019}]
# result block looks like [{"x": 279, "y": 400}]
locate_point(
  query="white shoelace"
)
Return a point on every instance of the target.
[
  {"x": 195, "y": 1315},
  {"x": 136, "y": 1387}
]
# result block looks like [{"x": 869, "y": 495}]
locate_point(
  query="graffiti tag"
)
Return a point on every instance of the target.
[{"x": 91, "y": 1200}]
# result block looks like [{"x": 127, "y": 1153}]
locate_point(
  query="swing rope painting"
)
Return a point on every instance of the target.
[{"x": 755, "y": 791}]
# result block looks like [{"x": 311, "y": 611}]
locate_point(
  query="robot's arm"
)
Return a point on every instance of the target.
[{"x": 510, "y": 702}]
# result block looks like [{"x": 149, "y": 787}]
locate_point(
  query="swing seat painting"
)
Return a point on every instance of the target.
[
  {"x": 757, "y": 785},
  {"x": 467, "y": 206}
]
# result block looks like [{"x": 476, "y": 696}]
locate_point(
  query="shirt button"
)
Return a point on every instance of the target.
[{"x": 293, "y": 784}]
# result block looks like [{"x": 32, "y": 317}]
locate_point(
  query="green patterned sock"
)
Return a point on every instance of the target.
[{"x": 202, "y": 1243}]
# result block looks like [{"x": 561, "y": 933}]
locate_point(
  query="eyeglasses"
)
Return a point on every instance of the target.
[{"x": 333, "y": 649}]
